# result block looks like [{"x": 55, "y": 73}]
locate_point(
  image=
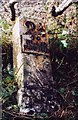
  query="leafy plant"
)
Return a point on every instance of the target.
[{"x": 8, "y": 84}]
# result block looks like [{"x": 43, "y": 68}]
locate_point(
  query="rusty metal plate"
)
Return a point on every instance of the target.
[{"x": 35, "y": 40}]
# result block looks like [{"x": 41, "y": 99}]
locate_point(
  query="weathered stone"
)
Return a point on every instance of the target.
[{"x": 33, "y": 68}]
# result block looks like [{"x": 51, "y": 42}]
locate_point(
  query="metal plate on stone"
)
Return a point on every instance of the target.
[{"x": 35, "y": 40}]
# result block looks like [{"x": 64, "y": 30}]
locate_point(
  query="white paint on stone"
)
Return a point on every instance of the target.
[{"x": 17, "y": 55}]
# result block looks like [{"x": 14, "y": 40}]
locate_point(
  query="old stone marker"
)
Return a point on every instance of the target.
[{"x": 32, "y": 66}]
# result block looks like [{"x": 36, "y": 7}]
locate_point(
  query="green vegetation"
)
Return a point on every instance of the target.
[
  {"x": 8, "y": 84},
  {"x": 64, "y": 57}
]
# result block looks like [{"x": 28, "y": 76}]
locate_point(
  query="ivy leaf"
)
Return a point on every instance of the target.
[
  {"x": 73, "y": 93},
  {"x": 62, "y": 90},
  {"x": 64, "y": 43}
]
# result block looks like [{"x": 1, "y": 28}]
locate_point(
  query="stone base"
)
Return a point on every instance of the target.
[{"x": 38, "y": 95}]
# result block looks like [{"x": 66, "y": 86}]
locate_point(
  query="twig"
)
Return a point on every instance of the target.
[
  {"x": 75, "y": 75},
  {"x": 72, "y": 83},
  {"x": 39, "y": 80},
  {"x": 13, "y": 114},
  {"x": 60, "y": 64},
  {"x": 72, "y": 68},
  {"x": 9, "y": 113}
]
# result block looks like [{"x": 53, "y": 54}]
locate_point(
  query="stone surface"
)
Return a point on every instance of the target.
[{"x": 36, "y": 94}]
